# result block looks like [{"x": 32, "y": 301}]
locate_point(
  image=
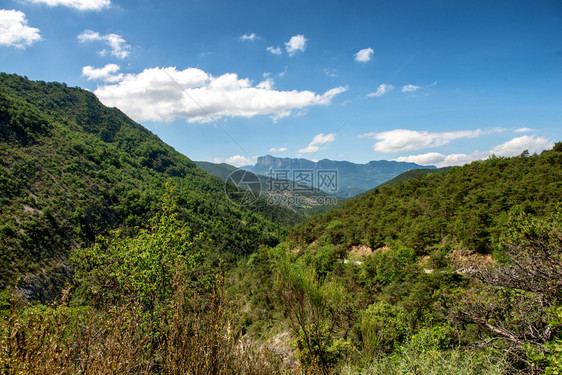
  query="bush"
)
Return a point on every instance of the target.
[{"x": 382, "y": 326}]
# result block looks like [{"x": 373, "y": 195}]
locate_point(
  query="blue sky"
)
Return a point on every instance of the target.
[{"x": 433, "y": 82}]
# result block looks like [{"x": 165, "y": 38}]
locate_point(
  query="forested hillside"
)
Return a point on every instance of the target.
[
  {"x": 72, "y": 169},
  {"x": 403, "y": 177},
  {"x": 466, "y": 205}
]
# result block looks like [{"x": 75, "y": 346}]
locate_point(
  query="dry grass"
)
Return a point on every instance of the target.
[{"x": 190, "y": 336}]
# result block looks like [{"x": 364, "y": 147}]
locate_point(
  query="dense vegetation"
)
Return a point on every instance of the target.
[
  {"x": 403, "y": 177},
  {"x": 451, "y": 273},
  {"x": 157, "y": 303},
  {"x": 71, "y": 169},
  {"x": 427, "y": 296},
  {"x": 466, "y": 205}
]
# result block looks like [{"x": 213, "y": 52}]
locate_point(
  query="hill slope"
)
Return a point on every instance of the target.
[
  {"x": 71, "y": 169},
  {"x": 403, "y": 177},
  {"x": 221, "y": 170},
  {"x": 466, "y": 204}
]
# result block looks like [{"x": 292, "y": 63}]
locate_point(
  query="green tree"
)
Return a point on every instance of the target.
[
  {"x": 313, "y": 308},
  {"x": 143, "y": 268},
  {"x": 518, "y": 300}
]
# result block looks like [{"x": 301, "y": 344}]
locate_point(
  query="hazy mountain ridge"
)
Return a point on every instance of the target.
[
  {"x": 353, "y": 178},
  {"x": 297, "y": 198}
]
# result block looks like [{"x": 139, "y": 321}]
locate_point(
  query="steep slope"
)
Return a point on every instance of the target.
[
  {"x": 71, "y": 169},
  {"x": 353, "y": 178},
  {"x": 466, "y": 205}
]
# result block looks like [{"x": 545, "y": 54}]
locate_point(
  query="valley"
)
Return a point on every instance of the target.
[{"x": 118, "y": 254}]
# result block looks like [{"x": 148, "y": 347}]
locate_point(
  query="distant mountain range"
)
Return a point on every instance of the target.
[
  {"x": 299, "y": 198},
  {"x": 352, "y": 179}
]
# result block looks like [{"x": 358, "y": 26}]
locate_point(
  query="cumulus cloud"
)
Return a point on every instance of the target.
[
  {"x": 280, "y": 149},
  {"x": 76, "y": 4},
  {"x": 238, "y": 160},
  {"x": 517, "y": 145},
  {"x": 381, "y": 90},
  {"x": 274, "y": 50},
  {"x": 266, "y": 84},
  {"x": 510, "y": 148},
  {"x": 295, "y": 44},
  {"x": 14, "y": 31},
  {"x": 410, "y": 88},
  {"x": 107, "y": 73},
  {"x": 441, "y": 160},
  {"x": 430, "y": 158},
  {"x": 251, "y": 36},
  {"x": 118, "y": 46},
  {"x": 364, "y": 55},
  {"x": 318, "y": 141},
  {"x": 403, "y": 140},
  {"x": 523, "y": 130},
  {"x": 154, "y": 95}
]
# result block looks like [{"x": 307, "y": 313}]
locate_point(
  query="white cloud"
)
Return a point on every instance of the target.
[
  {"x": 517, "y": 145},
  {"x": 238, "y": 160},
  {"x": 154, "y": 95},
  {"x": 402, "y": 139},
  {"x": 381, "y": 90},
  {"x": 14, "y": 31},
  {"x": 318, "y": 141},
  {"x": 430, "y": 158},
  {"x": 105, "y": 74},
  {"x": 118, "y": 45},
  {"x": 266, "y": 84},
  {"x": 364, "y": 55},
  {"x": 251, "y": 36},
  {"x": 523, "y": 130},
  {"x": 76, "y": 4},
  {"x": 441, "y": 160},
  {"x": 410, "y": 88},
  {"x": 510, "y": 148},
  {"x": 295, "y": 44},
  {"x": 274, "y": 50},
  {"x": 280, "y": 149}
]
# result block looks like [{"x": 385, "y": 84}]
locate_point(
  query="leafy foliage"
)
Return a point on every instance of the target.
[
  {"x": 160, "y": 317},
  {"x": 518, "y": 301},
  {"x": 142, "y": 268}
]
